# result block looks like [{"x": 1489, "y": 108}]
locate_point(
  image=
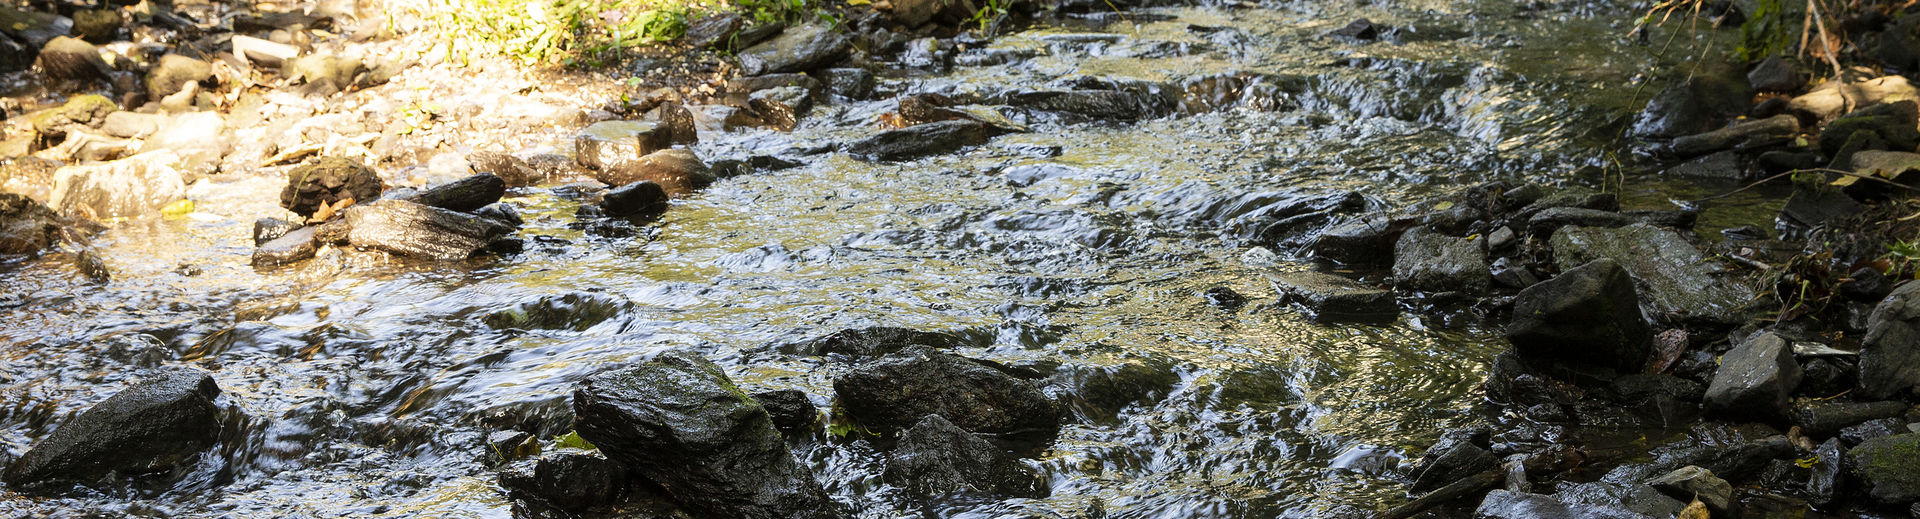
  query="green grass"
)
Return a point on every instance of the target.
[{"x": 584, "y": 33}]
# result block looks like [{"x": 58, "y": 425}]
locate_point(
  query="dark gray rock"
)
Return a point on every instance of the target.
[
  {"x": 936, "y": 457},
  {"x": 1636, "y": 499},
  {"x": 1692, "y": 482},
  {"x": 1892, "y": 122},
  {"x": 1890, "y": 355},
  {"x": 572, "y": 481},
  {"x": 1360, "y": 241},
  {"x": 781, "y": 107},
  {"x": 923, "y": 139},
  {"x": 575, "y": 311},
  {"x": 73, "y": 59},
  {"x": 415, "y": 230},
  {"x": 1361, "y": 29},
  {"x": 914, "y": 13},
  {"x": 1823, "y": 419},
  {"x": 850, "y": 83},
  {"x": 1586, "y": 315},
  {"x": 678, "y": 123},
  {"x": 676, "y": 419},
  {"x": 1815, "y": 206},
  {"x": 1745, "y": 134},
  {"x": 1504, "y": 504},
  {"x": 268, "y": 229},
  {"x": 1459, "y": 461},
  {"x": 1332, "y": 298},
  {"x": 26, "y": 226},
  {"x": 1723, "y": 165},
  {"x": 714, "y": 31},
  {"x": 516, "y": 172},
  {"x": 500, "y": 212},
  {"x": 1510, "y": 274},
  {"x": 327, "y": 182},
  {"x": 1429, "y": 261},
  {"x": 1099, "y": 105},
  {"x": 1754, "y": 379},
  {"x": 1827, "y": 481},
  {"x": 1544, "y": 223},
  {"x": 1880, "y": 428},
  {"x": 173, "y": 72},
  {"x": 1777, "y": 74},
  {"x": 863, "y": 343},
  {"x": 793, "y": 413},
  {"x": 1696, "y": 104},
  {"x": 508, "y": 446},
  {"x": 97, "y": 25},
  {"x": 152, "y": 426},
  {"x": 1885, "y": 468},
  {"x": 635, "y": 198},
  {"x": 898, "y": 390},
  {"x": 293, "y": 247},
  {"x": 464, "y": 195},
  {"x": 1675, "y": 281},
  {"x": 798, "y": 49}
]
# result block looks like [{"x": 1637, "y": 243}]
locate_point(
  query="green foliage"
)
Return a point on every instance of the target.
[
  {"x": 1768, "y": 31},
  {"x": 569, "y": 32},
  {"x": 572, "y": 440},
  {"x": 1902, "y": 256},
  {"x": 990, "y": 13}
]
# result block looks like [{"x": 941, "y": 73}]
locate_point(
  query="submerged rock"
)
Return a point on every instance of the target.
[
  {"x": 464, "y": 195},
  {"x": 798, "y": 49},
  {"x": 289, "y": 248},
  {"x": 410, "y": 229},
  {"x": 26, "y": 227},
  {"x": 1890, "y": 356},
  {"x": 876, "y": 341},
  {"x": 1674, "y": 279},
  {"x": 575, "y": 311},
  {"x": 571, "y": 481},
  {"x": 1358, "y": 241},
  {"x": 1586, "y": 315},
  {"x": 153, "y": 426},
  {"x": 128, "y": 187},
  {"x": 677, "y": 420},
  {"x": 924, "y": 139},
  {"x": 1886, "y": 469},
  {"x": 1106, "y": 390},
  {"x": 1432, "y": 262},
  {"x": 936, "y": 457},
  {"x": 635, "y": 198},
  {"x": 1453, "y": 462},
  {"x": 1754, "y": 379},
  {"x": 1332, "y": 298},
  {"x": 327, "y": 182},
  {"x": 895, "y": 392}
]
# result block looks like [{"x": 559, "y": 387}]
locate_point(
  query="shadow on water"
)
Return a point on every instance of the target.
[{"x": 368, "y": 384}]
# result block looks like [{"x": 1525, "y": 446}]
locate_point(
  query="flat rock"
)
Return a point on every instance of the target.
[
  {"x": 464, "y": 195},
  {"x": 201, "y": 139},
  {"x": 865, "y": 343},
  {"x": 1359, "y": 241},
  {"x": 575, "y": 311},
  {"x": 677, "y": 420},
  {"x": 677, "y": 171},
  {"x": 923, "y": 139},
  {"x": 1332, "y": 298},
  {"x": 150, "y": 427},
  {"x": 935, "y": 457},
  {"x": 797, "y": 49},
  {"x": 1886, "y": 470},
  {"x": 1890, "y": 355},
  {"x": 292, "y": 247},
  {"x": 410, "y": 229},
  {"x": 1692, "y": 482},
  {"x": 895, "y": 392},
  {"x": 1432, "y": 262},
  {"x": 1675, "y": 281}
]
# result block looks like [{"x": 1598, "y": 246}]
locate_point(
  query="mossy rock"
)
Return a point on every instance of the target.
[
  {"x": 1886, "y": 469},
  {"x": 84, "y": 110}
]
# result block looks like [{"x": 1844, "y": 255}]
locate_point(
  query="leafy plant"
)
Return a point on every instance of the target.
[
  {"x": 990, "y": 14},
  {"x": 1767, "y": 32}
]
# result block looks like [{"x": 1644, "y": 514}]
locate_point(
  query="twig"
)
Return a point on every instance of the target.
[{"x": 1757, "y": 183}]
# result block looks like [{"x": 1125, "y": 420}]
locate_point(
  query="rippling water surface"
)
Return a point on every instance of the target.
[{"x": 367, "y": 385}]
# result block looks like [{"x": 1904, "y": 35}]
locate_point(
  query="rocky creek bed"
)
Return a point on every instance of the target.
[{"x": 1119, "y": 260}]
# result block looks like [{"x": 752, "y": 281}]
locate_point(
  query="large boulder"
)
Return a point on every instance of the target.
[
  {"x": 1890, "y": 356},
  {"x": 679, "y": 421},
  {"x": 1754, "y": 379},
  {"x": 26, "y": 227},
  {"x": 328, "y": 181},
  {"x": 678, "y": 171},
  {"x": 127, "y": 187},
  {"x": 72, "y": 58},
  {"x": 153, "y": 426},
  {"x": 1586, "y": 315},
  {"x": 798, "y": 49},
  {"x": 936, "y": 457},
  {"x": 895, "y": 392},
  {"x": 1675, "y": 281},
  {"x": 173, "y": 72},
  {"x": 1886, "y": 470},
  {"x": 420, "y": 231},
  {"x": 923, "y": 139},
  {"x": 1428, "y": 261}
]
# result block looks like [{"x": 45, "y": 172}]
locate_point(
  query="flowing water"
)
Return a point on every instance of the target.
[{"x": 367, "y": 385}]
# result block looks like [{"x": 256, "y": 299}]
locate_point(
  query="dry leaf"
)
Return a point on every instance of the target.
[
  {"x": 327, "y": 211},
  {"x": 1694, "y": 510}
]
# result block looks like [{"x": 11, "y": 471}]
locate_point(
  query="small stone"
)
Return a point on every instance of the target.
[
  {"x": 1754, "y": 379},
  {"x": 294, "y": 246},
  {"x": 793, "y": 413}
]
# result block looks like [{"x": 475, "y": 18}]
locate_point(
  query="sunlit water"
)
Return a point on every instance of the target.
[{"x": 367, "y": 385}]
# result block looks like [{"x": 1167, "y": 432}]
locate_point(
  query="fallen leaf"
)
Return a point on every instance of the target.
[
  {"x": 327, "y": 211},
  {"x": 1694, "y": 510}
]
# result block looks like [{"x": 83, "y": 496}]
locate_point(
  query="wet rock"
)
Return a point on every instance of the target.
[
  {"x": 1544, "y": 223},
  {"x": 329, "y": 181},
  {"x": 677, "y": 420},
  {"x": 1777, "y": 74},
  {"x": 935, "y": 457},
  {"x": 500, "y": 212},
  {"x": 293, "y": 247},
  {"x": 1776, "y": 129},
  {"x": 152, "y": 426},
  {"x": 927, "y": 54},
  {"x": 1429, "y": 261},
  {"x": 898, "y": 390},
  {"x": 15, "y": 56},
  {"x": 1675, "y": 281},
  {"x": 79, "y": 112},
  {"x": 128, "y": 187},
  {"x": 72, "y": 59},
  {"x": 464, "y": 195},
  {"x": 793, "y": 413},
  {"x": 1361, "y": 29},
  {"x": 1099, "y": 105},
  {"x": 862, "y": 343},
  {"x": 781, "y": 107},
  {"x": 1696, "y": 104},
  {"x": 269, "y": 229},
  {"x": 507, "y": 446},
  {"x": 714, "y": 31},
  {"x": 1587, "y": 315},
  {"x": 1332, "y": 298},
  {"x": 926, "y": 108},
  {"x": 1816, "y": 206},
  {"x": 1509, "y": 274},
  {"x": 1890, "y": 354},
  {"x": 1885, "y": 468},
  {"x": 850, "y": 83},
  {"x": 640, "y": 197},
  {"x": 1360, "y": 241},
  {"x": 1722, "y": 165},
  {"x": 575, "y": 311},
  {"x": 1880, "y": 428},
  {"x": 1459, "y": 461},
  {"x": 798, "y": 49},
  {"x": 677, "y": 120},
  {"x": 1825, "y": 483},
  {"x": 1822, "y": 419},
  {"x": 1505, "y": 504},
  {"x": 513, "y": 170},
  {"x": 173, "y": 72},
  {"x": 32, "y": 27},
  {"x": 410, "y": 229},
  {"x": 571, "y": 481},
  {"x": 751, "y": 84},
  {"x": 1754, "y": 379},
  {"x": 609, "y": 144},
  {"x": 26, "y": 227},
  {"x": 1106, "y": 390},
  {"x": 1224, "y": 298},
  {"x": 678, "y": 171},
  {"x": 922, "y": 140}
]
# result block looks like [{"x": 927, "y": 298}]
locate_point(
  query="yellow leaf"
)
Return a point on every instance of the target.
[
  {"x": 177, "y": 208},
  {"x": 859, "y": 2},
  {"x": 1845, "y": 180},
  {"x": 1807, "y": 463},
  {"x": 1694, "y": 510},
  {"x": 1442, "y": 206}
]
